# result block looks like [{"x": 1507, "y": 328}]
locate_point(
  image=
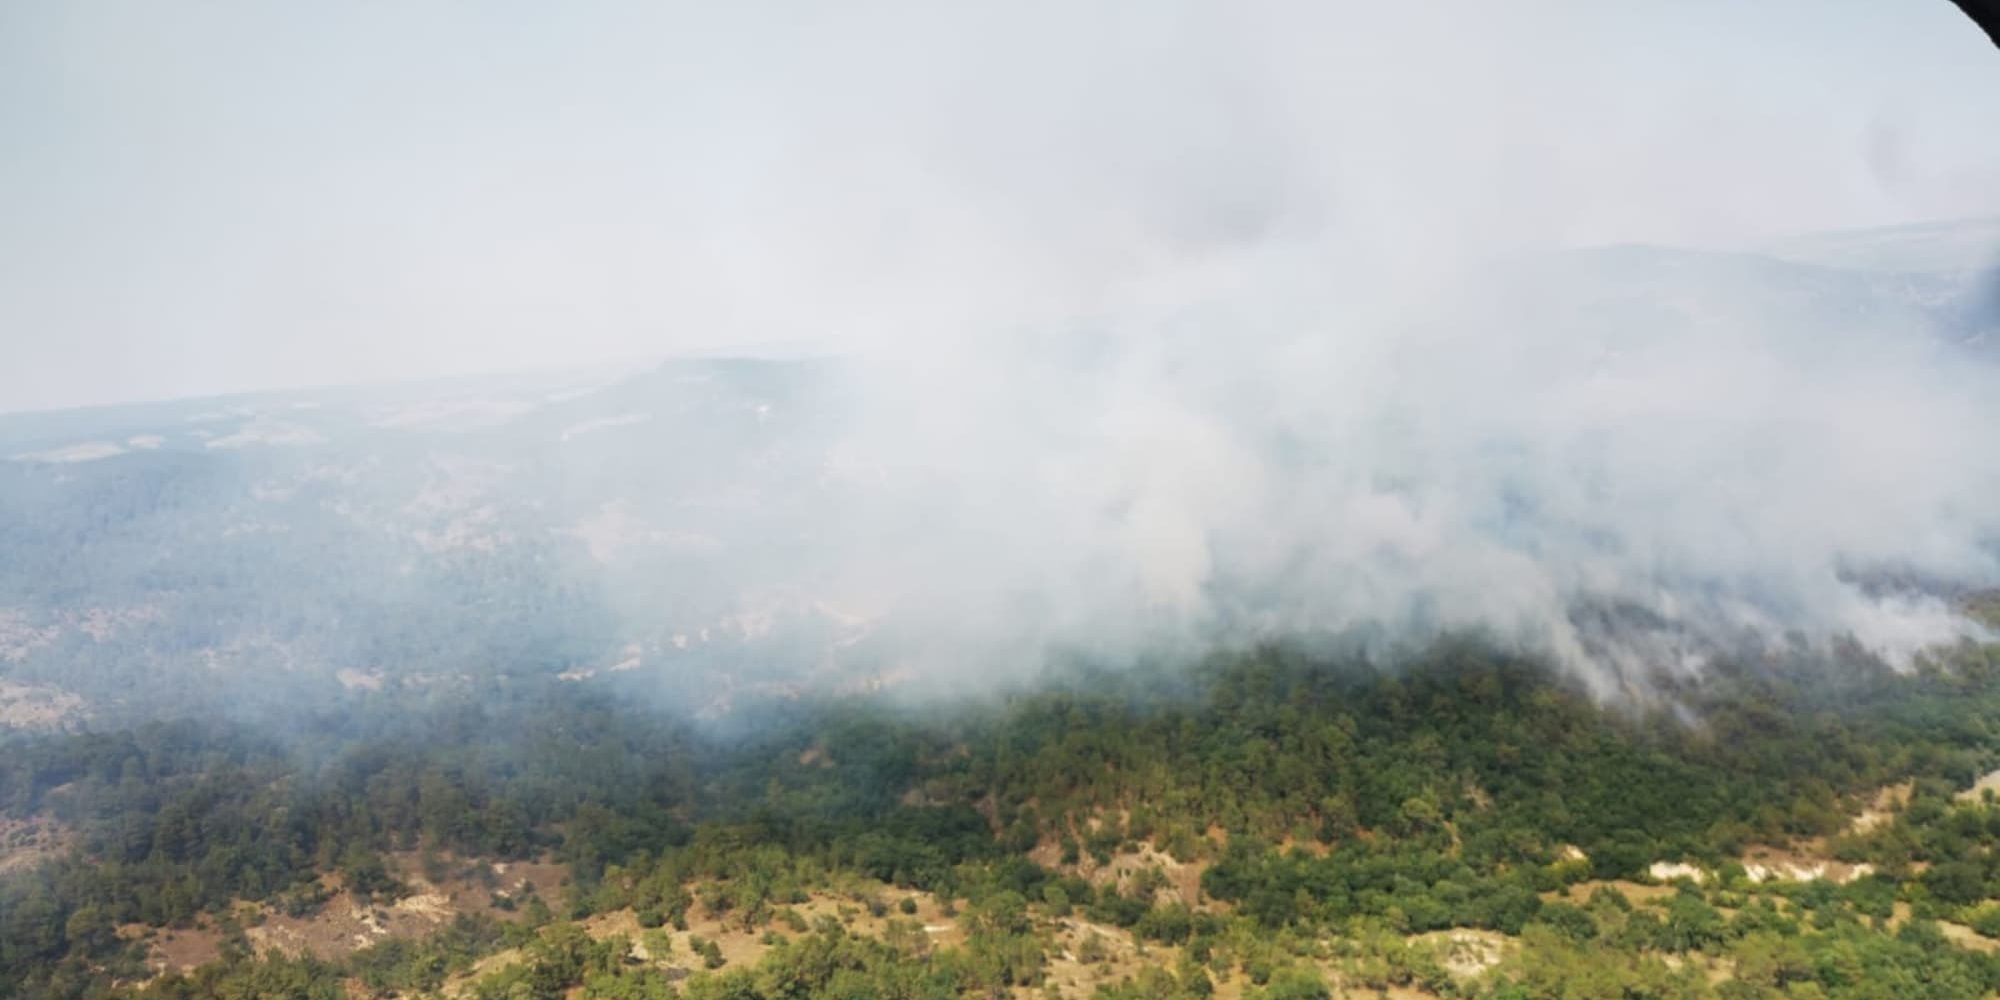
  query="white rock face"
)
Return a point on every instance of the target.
[
  {"x": 1805, "y": 871},
  {"x": 1783, "y": 872},
  {"x": 1667, "y": 871}
]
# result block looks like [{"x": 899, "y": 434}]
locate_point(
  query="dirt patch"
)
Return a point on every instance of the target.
[
  {"x": 1882, "y": 808},
  {"x": 740, "y": 948},
  {"x": 1312, "y": 847},
  {"x": 1407, "y": 993},
  {"x": 476, "y": 886},
  {"x": 851, "y": 908},
  {"x": 1771, "y": 864},
  {"x": 1481, "y": 800},
  {"x": 744, "y": 948},
  {"x": 605, "y": 925},
  {"x": 341, "y": 927},
  {"x": 1085, "y": 955},
  {"x": 182, "y": 950},
  {"x": 1977, "y": 793},
  {"x": 1958, "y": 934},
  {"x": 1638, "y": 892},
  {"x": 19, "y": 635},
  {"x": 481, "y": 969},
  {"x": 430, "y": 905},
  {"x": 25, "y": 706},
  {"x": 1966, "y": 937},
  {"x": 25, "y": 843},
  {"x": 1812, "y": 860},
  {"x": 1715, "y": 970},
  {"x": 1465, "y": 953},
  {"x": 103, "y": 623},
  {"x": 1183, "y": 879},
  {"x": 345, "y": 924}
]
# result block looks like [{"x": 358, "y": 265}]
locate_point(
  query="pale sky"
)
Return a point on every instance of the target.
[{"x": 214, "y": 196}]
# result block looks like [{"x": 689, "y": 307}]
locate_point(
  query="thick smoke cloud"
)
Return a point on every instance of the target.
[
  {"x": 1307, "y": 455},
  {"x": 1249, "y": 356},
  {"x": 1171, "y": 323}
]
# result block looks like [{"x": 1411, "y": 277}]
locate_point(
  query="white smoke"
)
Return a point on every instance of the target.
[
  {"x": 1300, "y": 360},
  {"x": 1233, "y": 473}
]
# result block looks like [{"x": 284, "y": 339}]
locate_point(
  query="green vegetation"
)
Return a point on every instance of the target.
[{"x": 1342, "y": 828}]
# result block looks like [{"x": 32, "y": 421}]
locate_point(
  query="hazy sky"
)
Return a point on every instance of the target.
[{"x": 217, "y": 196}]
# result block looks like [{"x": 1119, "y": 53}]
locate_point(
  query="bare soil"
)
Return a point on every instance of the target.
[
  {"x": 181, "y": 950},
  {"x": 1466, "y": 953},
  {"x": 25, "y": 706},
  {"x": 344, "y": 924},
  {"x": 1183, "y": 878},
  {"x": 743, "y": 948},
  {"x": 25, "y": 843},
  {"x": 1987, "y": 782},
  {"x": 1882, "y": 809},
  {"x": 1638, "y": 892},
  {"x": 1123, "y": 956}
]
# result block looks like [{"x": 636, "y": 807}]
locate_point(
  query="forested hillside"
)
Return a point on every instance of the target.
[{"x": 1274, "y": 823}]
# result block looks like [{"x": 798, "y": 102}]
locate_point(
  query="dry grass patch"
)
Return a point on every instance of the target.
[
  {"x": 24, "y": 706},
  {"x": 1639, "y": 893},
  {"x": 345, "y": 924},
  {"x": 1183, "y": 877},
  {"x": 181, "y": 950},
  {"x": 1977, "y": 793},
  {"x": 1958, "y": 934},
  {"x": 1085, "y": 955},
  {"x": 1882, "y": 808},
  {"x": 25, "y": 843},
  {"x": 1466, "y": 953}
]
